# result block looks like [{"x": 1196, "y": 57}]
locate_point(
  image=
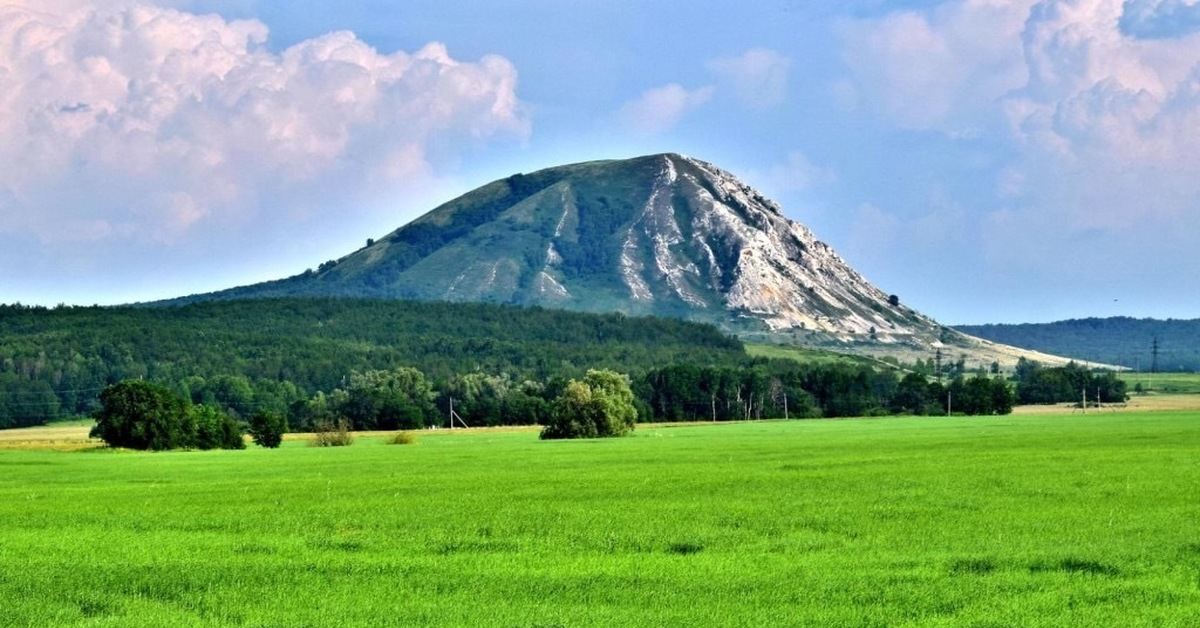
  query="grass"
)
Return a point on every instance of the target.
[
  {"x": 1041, "y": 520},
  {"x": 1169, "y": 383},
  {"x": 806, "y": 355}
]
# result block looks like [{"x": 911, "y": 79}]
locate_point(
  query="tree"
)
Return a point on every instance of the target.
[
  {"x": 601, "y": 405},
  {"x": 267, "y": 428},
  {"x": 388, "y": 400},
  {"x": 140, "y": 415},
  {"x": 1003, "y": 396},
  {"x": 215, "y": 429},
  {"x": 912, "y": 395}
]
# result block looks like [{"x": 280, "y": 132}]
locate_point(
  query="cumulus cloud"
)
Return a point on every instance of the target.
[
  {"x": 922, "y": 69},
  {"x": 758, "y": 77},
  {"x": 1114, "y": 120},
  {"x": 659, "y": 109},
  {"x": 129, "y": 122},
  {"x": 1099, "y": 127}
]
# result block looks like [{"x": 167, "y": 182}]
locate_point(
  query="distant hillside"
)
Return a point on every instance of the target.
[{"x": 1121, "y": 340}]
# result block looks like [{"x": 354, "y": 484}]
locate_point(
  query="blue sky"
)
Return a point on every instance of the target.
[{"x": 986, "y": 160}]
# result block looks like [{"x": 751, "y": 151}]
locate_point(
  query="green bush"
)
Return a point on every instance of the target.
[
  {"x": 215, "y": 429},
  {"x": 267, "y": 428},
  {"x": 601, "y": 405}
]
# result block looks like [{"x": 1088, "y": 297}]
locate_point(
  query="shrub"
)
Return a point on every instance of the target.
[
  {"x": 601, "y": 405},
  {"x": 329, "y": 434},
  {"x": 402, "y": 438}
]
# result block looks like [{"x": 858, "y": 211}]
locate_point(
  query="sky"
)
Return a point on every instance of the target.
[{"x": 988, "y": 161}]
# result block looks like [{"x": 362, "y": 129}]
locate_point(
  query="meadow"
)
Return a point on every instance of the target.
[
  {"x": 1172, "y": 384},
  {"x": 1022, "y": 520}
]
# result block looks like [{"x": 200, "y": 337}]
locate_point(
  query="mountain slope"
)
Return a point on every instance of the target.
[{"x": 661, "y": 235}]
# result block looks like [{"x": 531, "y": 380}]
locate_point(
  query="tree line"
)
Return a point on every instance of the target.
[
  {"x": 400, "y": 365},
  {"x": 404, "y": 398},
  {"x": 1038, "y": 384}
]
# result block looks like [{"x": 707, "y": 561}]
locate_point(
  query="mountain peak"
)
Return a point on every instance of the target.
[{"x": 664, "y": 234}]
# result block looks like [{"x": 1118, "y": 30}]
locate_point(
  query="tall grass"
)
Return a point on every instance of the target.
[
  {"x": 332, "y": 434},
  {"x": 1046, "y": 520}
]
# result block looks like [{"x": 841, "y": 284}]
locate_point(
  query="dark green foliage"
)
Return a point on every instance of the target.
[
  {"x": 400, "y": 398},
  {"x": 277, "y": 353},
  {"x": 215, "y": 429},
  {"x": 980, "y": 395},
  {"x": 602, "y": 405},
  {"x": 690, "y": 393},
  {"x": 1043, "y": 385},
  {"x": 137, "y": 414},
  {"x": 915, "y": 394},
  {"x": 26, "y": 401},
  {"x": 782, "y": 388},
  {"x": 267, "y": 428},
  {"x": 140, "y": 415},
  {"x": 480, "y": 399}
]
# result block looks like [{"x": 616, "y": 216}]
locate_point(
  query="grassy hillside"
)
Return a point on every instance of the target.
[
  {"x": 1014, "y": 521},
  {"x": 1123, "y": 341}
]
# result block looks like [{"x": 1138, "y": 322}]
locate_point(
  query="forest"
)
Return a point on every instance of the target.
[
  {"x": 387, "y": 364},
  {"x": 1146, "y": 344},
  {"x": 54, "y": 362}
]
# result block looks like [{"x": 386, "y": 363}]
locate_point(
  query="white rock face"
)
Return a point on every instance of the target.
[
  {"x": 688, "y": 240},
  {"x": 703, "y": 232},
  {"x": 656, "y": 228}
]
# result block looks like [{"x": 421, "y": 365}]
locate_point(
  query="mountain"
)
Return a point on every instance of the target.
[
  {"x": 662, "y": 235},
  {"x": 1136, "y": 343}
]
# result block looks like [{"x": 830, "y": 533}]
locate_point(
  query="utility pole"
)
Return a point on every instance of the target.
[
  {"x": 1154, "y": 356},
  {"x": 454, "y": 415}
]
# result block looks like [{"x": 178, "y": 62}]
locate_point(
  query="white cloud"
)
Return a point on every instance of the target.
[
  {"x": 1100, "y": 127},
  {"x": 658, "y": 109},
  {"x": 131, "y": 123},
  {"x": 758, "y": 77},
  {"x": 923, "y": 68}
]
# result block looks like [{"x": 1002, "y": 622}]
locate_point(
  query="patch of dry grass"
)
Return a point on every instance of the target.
[
  {"x": 55, "y": 437},
  {"x": 1153, "y": 402}
]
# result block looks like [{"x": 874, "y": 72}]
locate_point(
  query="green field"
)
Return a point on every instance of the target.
[
  {"x": 1046, "y": 520},
  {"x": 1170, "y": 383}
]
